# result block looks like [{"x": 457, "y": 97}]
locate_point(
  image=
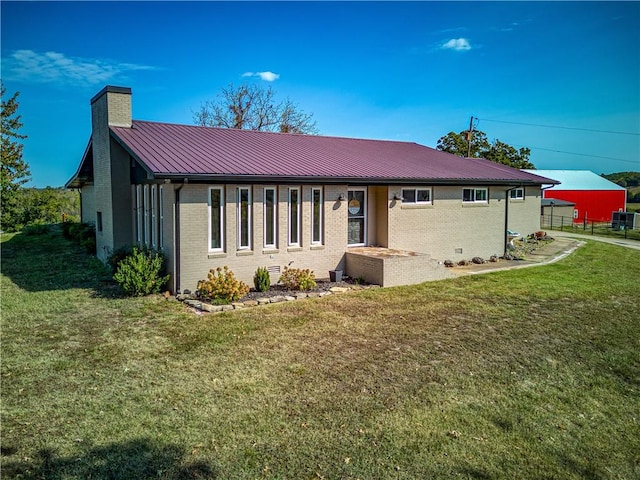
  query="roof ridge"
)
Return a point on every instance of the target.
[{"x": 279, "y": 133}]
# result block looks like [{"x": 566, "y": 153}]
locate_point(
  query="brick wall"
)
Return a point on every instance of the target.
[
  {"x": 196, "y": 259},
  {"x": 111, "y": 169}
]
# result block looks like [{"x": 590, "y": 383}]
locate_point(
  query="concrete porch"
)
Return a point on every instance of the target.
[{"x": 389, "y": 267}]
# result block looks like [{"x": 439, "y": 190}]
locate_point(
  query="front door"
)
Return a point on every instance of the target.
[{"x": 357, "y": 225}]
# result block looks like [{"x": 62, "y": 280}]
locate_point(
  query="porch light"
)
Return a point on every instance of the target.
[
  {"x": 342, "y": 197},
  {"x": 397, "y": 196}
]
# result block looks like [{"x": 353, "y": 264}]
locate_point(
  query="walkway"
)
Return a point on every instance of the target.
[{"x": 623, "y": 242}]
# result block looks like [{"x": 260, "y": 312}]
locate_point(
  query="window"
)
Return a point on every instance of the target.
[
  {"x": 294, "y": 216},
  {"x": 575, "y": 213},
  {"x": 138, "y": 211},
  {"x": 161, "y": 215},
  {"x": 146, "y": 230},
  {"x": 244, "y": 218},
  {"x": 316, "y": 215},
  {"x": 357, "y": 217},
  {"x": 270, "y": 217},
  {"x": 99, "y": 222},
  {"x": 216, "y": 218},
  {"x": 416, "y": 195},
  {"x": 154, "y": 217},
  {"x": 516, "y": 194},
  {"x": 474, "y": 195}
]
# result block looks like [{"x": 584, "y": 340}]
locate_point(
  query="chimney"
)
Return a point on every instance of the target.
[{"x": 111, "y": 107}]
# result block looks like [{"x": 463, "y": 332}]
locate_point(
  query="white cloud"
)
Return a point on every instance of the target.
[
  {"x": 54, "y": 67},
  {"x": 457, "y": 44},
  {"x": 266, "y": 76}
]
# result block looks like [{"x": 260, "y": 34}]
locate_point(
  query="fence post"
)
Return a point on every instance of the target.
[{"x": 561, "y": 223}]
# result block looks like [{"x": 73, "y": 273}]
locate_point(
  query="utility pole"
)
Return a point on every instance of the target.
[{"x": 469, "y": 137}]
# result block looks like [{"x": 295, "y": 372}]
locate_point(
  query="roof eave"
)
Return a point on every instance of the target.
[{"x": 333, "y": 180}]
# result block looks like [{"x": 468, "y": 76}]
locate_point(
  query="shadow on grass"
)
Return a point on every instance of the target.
[
  {"x": 48, "y": 261},
  {"x": 136, "y": 459}
]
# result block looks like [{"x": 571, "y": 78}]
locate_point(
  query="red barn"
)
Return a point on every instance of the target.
[{"x": 595, "y": 197}]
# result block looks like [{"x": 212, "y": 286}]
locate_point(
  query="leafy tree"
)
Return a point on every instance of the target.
[
  {"x": 497, "y": 151},
  {"x": 14, "y": 171},
  {"x": 251, "y": 107}
]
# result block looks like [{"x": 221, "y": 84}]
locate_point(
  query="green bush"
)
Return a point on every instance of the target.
[
  {"x": 222, "y": 287},
  {"x": 82, "y": 233},
  {"x": 261, "y": 279},
  {"x": 117, "y": 256},
  {"x": 36, "y": 229},
  {"x": 141, "y": 273},
  {"x": 298, "y": 279}
]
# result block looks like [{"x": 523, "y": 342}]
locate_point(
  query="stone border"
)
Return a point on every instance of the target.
[{"x": 201, "y": 306}]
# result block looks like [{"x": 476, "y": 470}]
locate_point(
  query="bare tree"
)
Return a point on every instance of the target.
[{"x": 250, "y": 107}]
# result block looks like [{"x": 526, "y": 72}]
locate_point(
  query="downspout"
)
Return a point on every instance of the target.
[
  {"x": 176, "y": 240},
  {"x": 506, "y": 217}
]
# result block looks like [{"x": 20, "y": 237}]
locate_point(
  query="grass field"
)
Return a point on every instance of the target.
[{"x": 526, "y": 374}]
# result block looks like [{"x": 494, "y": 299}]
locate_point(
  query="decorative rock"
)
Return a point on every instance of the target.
[
  {"x": 338, "y": 289},
  {"x": 300, "y": 295},
  {"x": 313, "y": 294},
  {"x": 277, "y": 299},
  {"x": 263, "y": 301},
  {"x": 237, "y": 305},
  {"x": 324, "y": 294},
  {"x": 194, "y": 303},
  {"x": 289, "y": 298},
  {"x": 226, "y": 308},
  {"x": 251, "y": 303},
  {"x": 211, "y": 308}
]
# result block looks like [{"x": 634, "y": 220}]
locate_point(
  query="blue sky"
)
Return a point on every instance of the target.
[{"x": 401, "y": 71}]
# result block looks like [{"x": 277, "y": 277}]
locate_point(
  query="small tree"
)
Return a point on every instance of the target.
[{"x": 14, "y": 171}]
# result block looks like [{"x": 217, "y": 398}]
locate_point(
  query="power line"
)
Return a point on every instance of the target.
[
  {"x": 580, "y": 154},
  {"x": 561, "y": 127}
]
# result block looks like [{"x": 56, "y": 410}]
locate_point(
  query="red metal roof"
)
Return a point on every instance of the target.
[{"x": 170, "y": 150}]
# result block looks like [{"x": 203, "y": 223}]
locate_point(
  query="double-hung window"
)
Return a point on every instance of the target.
[
  {"x": 316, "y": 215},
  {"x": 244, "y": 218},
  {"x": 270, "y": 217},
  {"x": 216, "y": 219},
  {"x": 294, "y": 216},
  {"x": 475, "y": 195},
  {"x": 416, "y": 195}
]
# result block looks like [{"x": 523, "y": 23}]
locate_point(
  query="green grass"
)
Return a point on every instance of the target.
[{"x": 530, "y": 373}]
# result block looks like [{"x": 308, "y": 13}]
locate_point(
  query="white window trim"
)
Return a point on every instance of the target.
[
  {"x": 364, "y": 216},
  {"x": 289, "y": 231},
  {"x": 221, "y": 207},
  {"x": 415, "y": 191},
  {"x": 154, "y": 217},
  {"x": 239, "y": 218},
  {"x": 274, "y": 226},
  {"x": 515, "y": 192},
  {"x": 139, "y": 214},
  {"x": 475, "y": 191},
  {"x": 320, "y": 213},
  {"x": 161, "y": 217}
]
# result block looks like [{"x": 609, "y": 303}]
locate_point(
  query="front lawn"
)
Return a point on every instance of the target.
[{"x": 528, "y": 374}]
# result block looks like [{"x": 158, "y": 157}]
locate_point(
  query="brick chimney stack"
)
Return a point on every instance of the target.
[{"x": 111, "y": 167}]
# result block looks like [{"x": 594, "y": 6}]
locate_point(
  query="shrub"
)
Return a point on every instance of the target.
[
  {"x": 261, "y": 279},
  {"x": 36, "y": 229},
  {"x": 298, "y": 279},
  {"x": 117, "y": 256},
  {"x": 222, "y": 287},
  {"x": 141, "y": 273},
  {"x": 83, "y": 234}
]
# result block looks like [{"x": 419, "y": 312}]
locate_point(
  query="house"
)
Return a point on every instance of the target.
[
  {"x": 389, "y": 211},
  {"x": 595, "y": 198}
]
